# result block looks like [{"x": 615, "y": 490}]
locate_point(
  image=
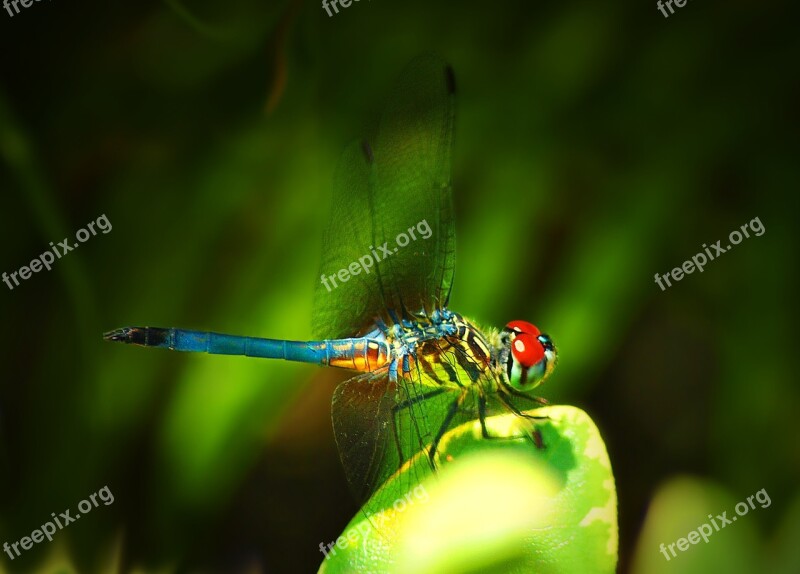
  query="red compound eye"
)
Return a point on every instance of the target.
[
  {"x": 523, "y": 327},
  {"x": 527, "y": 349}
]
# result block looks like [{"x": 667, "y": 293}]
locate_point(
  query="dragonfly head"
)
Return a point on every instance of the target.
[{"x": 531, "y": 355}]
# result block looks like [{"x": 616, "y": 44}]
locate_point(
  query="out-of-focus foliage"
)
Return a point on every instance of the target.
[
  {"x": 726, "y": 537},
  {"x": 596, "y": 144}
]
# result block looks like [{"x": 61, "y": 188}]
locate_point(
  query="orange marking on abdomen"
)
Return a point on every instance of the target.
[{"x": 367, "y": 356}]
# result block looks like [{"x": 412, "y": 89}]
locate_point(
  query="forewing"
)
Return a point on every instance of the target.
[
  {"x": 392, "y": 217},
  {"x": 343, "y": 309},
  {"x": 411, "y": 188},
  {"x": 381, "y": 424}
]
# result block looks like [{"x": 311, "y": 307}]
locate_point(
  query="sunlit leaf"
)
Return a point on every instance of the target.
[{"x": 495, "y": 506}]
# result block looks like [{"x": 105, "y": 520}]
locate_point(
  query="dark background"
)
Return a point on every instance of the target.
[{"x": 597, "y": 143}]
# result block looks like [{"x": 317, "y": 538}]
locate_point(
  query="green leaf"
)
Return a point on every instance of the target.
[
  {"x": 687, "y": 508},
  {"x": 494, "y": 506},
  {"x": 681, "y": 506},
  {"x": 783, "y": 556}
]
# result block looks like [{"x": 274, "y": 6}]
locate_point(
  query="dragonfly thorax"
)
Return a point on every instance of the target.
[
  {"x": 453, "y": 351},
  {"x": 446, "y": 347}
]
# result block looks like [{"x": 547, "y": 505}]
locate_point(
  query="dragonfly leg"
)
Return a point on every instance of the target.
[
  {"x": 482, "y": 418},
  {"x": 451, "y": 412},
  {"x": 536, "y": 435},
  {"x": 516, "y": 393},
  {"x": 408, "y": 403}
]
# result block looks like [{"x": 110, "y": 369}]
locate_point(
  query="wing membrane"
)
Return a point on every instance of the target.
[
  {"x": 401, "y": 181},
  {"x": 381, "y": 424},
  {"x": 343, "y": 309},
  {"x": 411, "y": 183}
]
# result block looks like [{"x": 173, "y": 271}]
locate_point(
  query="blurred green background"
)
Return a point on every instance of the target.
[{"x": 596, "y": 144}]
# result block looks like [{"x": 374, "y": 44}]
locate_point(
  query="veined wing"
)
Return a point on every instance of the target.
[
  {"x": 382, "y": 191},
  {"x": 380, "y": 423},
  {"x": 342, "y": 309}
]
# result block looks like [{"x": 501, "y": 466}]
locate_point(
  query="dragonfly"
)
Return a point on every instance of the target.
[{"x": 421, "y": 368}]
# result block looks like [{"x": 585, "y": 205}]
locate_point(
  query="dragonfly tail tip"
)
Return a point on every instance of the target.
[{"x": 124, "y": 335}]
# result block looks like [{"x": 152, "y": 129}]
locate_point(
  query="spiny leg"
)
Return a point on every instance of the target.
[
  {"x": 482, "y": 416},
  {"x": 536, "y": 435},
  {"x": 518, "y": 412},
  {"x": 419, "y": 366},
  {"x": 425, "y": 369},
  {"x": 451, "y": 412},
  {"x": 408, "y": 403},
  {"x": 464, "y": 358},
  {"x": 516, "y": 393}
]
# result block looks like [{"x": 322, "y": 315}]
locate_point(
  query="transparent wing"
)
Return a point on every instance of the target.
[
  {"x": 411, "y": 185},
  {"x": 360, "y": 408},
  {"x": 392, "y": 221},
  {"x": 343, "y": 309},
  {"x": 380, "y": 423}
]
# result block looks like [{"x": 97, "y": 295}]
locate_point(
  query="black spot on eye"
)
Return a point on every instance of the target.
[{"x": 524, "y": 378}]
